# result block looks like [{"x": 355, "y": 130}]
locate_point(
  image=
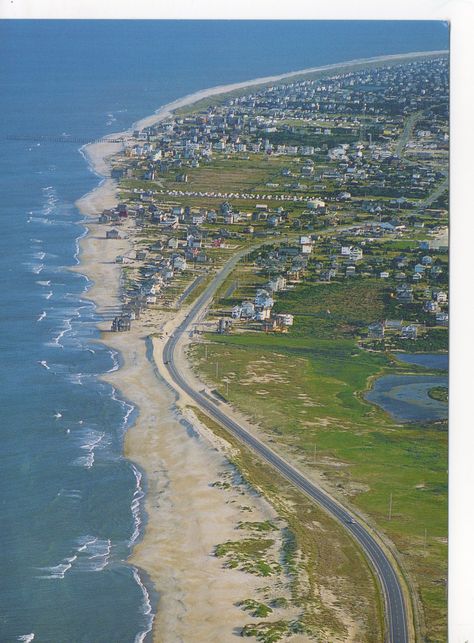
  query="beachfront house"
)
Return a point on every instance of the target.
[{"x": 112, "y": 234}]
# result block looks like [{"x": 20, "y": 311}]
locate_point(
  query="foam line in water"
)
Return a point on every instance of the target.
[
  {"x": 145, "y": 607},
  {"x": 135, "y": 507},
  {"x": 56, "y": 341},
  {"x": 75, "y": 494},
  {"x": 90, "y": 439},
  {"x": 115, "y": 361},
  {"x": 90, "y": 554},
  {"x": 94, "y": 554},
  {"x": 128, "y": 408},
  {"x": 42, "y": 316},
  {"x": 35, "y": 219},
  {"x": 57, "y": 572},
  {"x": 77, "y": 244},
  {"x": 35, "y": 268}
]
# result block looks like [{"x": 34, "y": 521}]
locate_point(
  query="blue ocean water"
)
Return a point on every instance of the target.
[{"x": 71, "y": 504}]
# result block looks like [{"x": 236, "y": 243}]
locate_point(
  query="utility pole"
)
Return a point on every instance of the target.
[
  {"x": 390, "y": 508},
  {"x": 314, "y": 455},
  {"x": 205, "y": 353},
  {"x": 217, "y": 370},
  {"x": 424, "y": 541},
  {"x": 227, "y": 388}
]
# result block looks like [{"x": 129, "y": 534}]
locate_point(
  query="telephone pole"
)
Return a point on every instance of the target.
[{"x": 390, "y": 508}]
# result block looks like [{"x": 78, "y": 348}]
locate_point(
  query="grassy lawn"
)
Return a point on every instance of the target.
[
  {"x": 304, "y": 391},
  {"x": 231, "y": 175},
  {"x": 334, "y": 309}
]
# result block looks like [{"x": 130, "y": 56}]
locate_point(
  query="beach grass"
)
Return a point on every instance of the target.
[{"x": 330, "y": 577}]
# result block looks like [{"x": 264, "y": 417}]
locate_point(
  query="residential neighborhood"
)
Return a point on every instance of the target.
[{"x": 332, "y": 169}]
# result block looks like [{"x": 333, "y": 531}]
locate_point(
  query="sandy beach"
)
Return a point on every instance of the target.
[{"x": 187, "y": 514}]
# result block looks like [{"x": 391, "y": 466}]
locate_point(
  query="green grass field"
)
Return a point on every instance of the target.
[
  {"x": 232, "y": 175},
  {"x": 334, "y": 309},
  {"x": 305, "y": 392}
]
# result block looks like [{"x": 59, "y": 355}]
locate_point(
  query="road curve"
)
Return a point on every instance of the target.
[{"x": 396, "y": 630}]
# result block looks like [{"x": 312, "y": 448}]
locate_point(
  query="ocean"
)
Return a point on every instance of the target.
[{"x": 71, "y": 504}]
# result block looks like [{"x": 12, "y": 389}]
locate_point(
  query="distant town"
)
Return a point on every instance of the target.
[{"x": 347, "y": 172}]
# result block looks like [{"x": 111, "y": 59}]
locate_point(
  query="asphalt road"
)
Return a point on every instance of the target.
[{"x": 395, "y": 612}]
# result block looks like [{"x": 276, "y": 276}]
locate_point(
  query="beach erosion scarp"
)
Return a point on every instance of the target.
[{"x": 186, "y": 514}]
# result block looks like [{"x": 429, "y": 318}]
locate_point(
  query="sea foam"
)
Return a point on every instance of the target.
[
  {"x": 90, "y": 554},
  {"x": 146, "y": 608},
  {"x": 90, "y": 439},
  {"x": 138, "y": 495}
]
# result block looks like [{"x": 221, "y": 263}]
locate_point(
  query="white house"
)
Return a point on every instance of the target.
[
  {"x": 285, "y": 319},
  {"x": 440, "y": 296},
  {"x": 247, "y": 310},
  {"x": 262, "y": 315},
  {"x": 277, "y": 283},
  {"x": 179, "y": 263},
  {"x": 236, "y": 312}
]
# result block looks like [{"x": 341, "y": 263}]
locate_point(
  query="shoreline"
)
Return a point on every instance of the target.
[
  {"x": 96, "y": 154},
  {"x": 186, "y": 516},
  {"x": 189, "y": 99}
]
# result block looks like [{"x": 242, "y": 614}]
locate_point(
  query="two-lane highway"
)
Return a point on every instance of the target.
[{"x": 395, "y": 609}]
